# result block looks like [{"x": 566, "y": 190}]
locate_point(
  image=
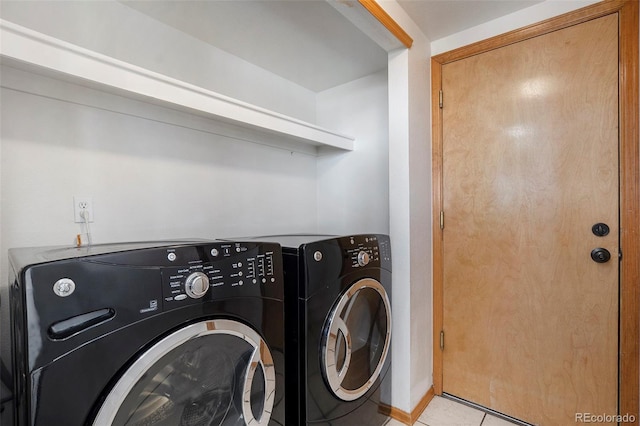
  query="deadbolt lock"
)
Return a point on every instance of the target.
[{"x": 600, "y": 229}]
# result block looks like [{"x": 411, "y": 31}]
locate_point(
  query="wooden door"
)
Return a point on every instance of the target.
[{"x": 530, "y": 164}]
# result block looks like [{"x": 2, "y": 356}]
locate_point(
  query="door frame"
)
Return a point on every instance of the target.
[{"x": 629, "y": 356}]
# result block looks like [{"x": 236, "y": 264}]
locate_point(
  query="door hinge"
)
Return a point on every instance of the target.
[
  {"x": 441, "y": 219},
  {"x": 442, "y": 340},
  {"x": 440, "y": 103}
]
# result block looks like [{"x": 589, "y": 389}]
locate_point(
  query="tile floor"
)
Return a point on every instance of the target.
[{"x": 444, "y": 412}]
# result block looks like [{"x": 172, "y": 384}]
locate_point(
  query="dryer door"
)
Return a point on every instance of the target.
[
  {"x": 216, "y": 372},
  {"x": 356, "y": 338}
]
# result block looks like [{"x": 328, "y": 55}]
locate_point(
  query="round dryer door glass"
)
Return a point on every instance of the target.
[
  {"x": 216, "y": 372},
  {"x": 356, "y": 338}
]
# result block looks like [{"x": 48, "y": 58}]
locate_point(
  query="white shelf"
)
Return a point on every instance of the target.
[{"x": 53, "y": 57}]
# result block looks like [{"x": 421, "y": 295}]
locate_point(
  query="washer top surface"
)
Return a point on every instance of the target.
[
  {"x": 54, "y": 253},
  {"x": 34, "y": 255}
]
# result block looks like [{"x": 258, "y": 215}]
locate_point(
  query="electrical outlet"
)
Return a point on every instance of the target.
[{"x": 81, "y": 205}]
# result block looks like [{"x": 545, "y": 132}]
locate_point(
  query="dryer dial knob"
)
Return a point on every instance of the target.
[
  {"x": 363, "y": 258},
  {"x": 197, "y": 285}
]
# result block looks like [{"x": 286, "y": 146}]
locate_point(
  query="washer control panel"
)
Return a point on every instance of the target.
[{"x": 221, "y": 270}]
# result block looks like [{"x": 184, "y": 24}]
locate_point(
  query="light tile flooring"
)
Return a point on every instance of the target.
[{"x": 444, "y": 412}]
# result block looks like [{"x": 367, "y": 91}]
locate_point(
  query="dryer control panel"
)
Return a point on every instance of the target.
[
  {"x": 366, "y": 251},
  {"x": 326, "y": 262}
]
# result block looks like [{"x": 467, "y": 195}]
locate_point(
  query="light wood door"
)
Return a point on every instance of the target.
[{"x": 530, "y": 164}]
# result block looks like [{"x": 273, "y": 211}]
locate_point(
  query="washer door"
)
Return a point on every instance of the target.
[
  {"x": 217, "y": 372},
  {"x": 356, "y": 338}
]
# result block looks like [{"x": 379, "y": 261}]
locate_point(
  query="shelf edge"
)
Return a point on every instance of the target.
[{"x": 51, "y": 54}]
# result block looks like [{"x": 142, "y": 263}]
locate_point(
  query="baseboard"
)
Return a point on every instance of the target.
[{"x": 403, "y": 416}]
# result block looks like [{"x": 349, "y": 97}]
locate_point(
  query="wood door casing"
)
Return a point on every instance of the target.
[{"x": 530, "y": 149}]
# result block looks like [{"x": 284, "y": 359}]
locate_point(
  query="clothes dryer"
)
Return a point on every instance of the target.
[
  {"x": 149, "y": 334},
  {"x": 338, "y": 322}
]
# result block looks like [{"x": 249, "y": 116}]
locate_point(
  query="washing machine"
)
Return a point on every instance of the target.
[
  {"x": 149, "y": 334},
  {"x": 338, "y": 329}
]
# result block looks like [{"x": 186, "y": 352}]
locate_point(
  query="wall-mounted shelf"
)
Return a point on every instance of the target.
[{"x": 47, "y": 55}]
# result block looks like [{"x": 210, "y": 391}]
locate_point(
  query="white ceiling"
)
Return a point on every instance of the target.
[
  {"x": 305, "y": 41},
  {"x": 441, "y": 18},
  {"x": 308, "y": 41}
]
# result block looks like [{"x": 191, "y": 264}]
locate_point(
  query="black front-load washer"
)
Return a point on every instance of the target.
[
  {"x": 149, "y": 334},
  {"x": 338, "y": 322}
]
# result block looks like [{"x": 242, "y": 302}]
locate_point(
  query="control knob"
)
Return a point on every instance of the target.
[
  {"x": 363, "y": 258},
  {"x": 197, "y": 285}
]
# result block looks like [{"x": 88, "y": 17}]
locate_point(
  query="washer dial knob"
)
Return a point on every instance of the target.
[
  {"x": 197, "y": 285},
  {"x": 363, "y": 258}
]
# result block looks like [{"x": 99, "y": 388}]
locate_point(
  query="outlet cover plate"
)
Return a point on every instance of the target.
[{"x": 80, "y": 203}]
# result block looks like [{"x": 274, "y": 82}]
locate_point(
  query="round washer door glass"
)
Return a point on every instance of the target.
[
  {"x": 356, "y": 338},
  {"x": 216, "y": 372}
]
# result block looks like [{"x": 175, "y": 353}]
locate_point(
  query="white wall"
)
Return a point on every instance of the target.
[
  {"x": 155, "y": 173},
  {"x": 353, "y": 189},
  {"x": 111, "y": 28},
  {"x": 149, "y": 179},
  {"x": 410, "y": 214}
]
